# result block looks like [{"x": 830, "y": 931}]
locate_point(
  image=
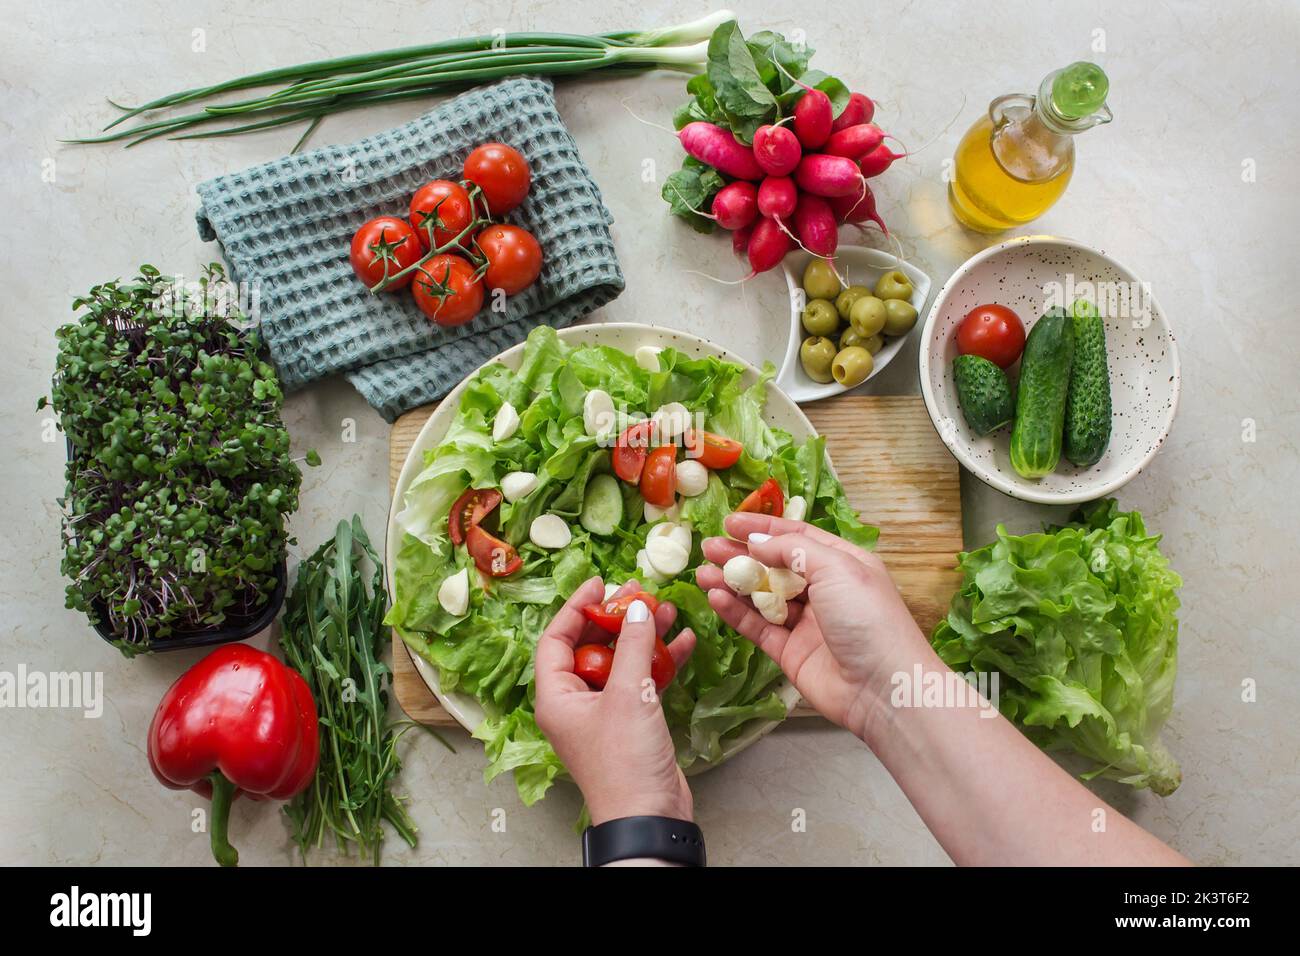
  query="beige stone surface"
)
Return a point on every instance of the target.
[{"x": 1199, "y": 89}]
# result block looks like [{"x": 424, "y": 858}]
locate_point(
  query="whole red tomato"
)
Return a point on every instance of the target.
[
  {"x": 447, "y": 206},
  {"x": 384, "y": 247},
  {"x": 993, "y": 332},
  {"x": 448, "y": 290},
  {"x": 513, "y": 256},
  {"x": 502, "y": 173}
]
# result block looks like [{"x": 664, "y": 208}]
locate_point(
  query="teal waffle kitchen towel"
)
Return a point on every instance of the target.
[{"x": 285, "y": 228}]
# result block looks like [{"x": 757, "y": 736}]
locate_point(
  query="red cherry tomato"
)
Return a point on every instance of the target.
[
  {"x": 491, "y": 555},
  {"x": 659, "y": 477},
  {"x": 630, "y": 451},
  {"x": 443, "y": 206},
  {"x": 514, "y": 259},
  {"x": 470, "y": 508},
  {"x": 448, "y": 290},
  {"x": 384, "y": 247},
  {"x": 662, "y": 667},
  {"x": 502, "y": 173},
  {"x": 609, "y": 614},
  {"x": 993, "y": 332},
  {"x": 713, "y": 451},
  {"x": 766, "y": 499},
  {"x": 592, "y": 662}
]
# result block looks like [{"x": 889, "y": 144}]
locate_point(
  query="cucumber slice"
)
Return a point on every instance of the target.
[{"x": 602, "y": 505}]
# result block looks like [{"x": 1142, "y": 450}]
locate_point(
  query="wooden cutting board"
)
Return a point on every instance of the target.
[{"x": 895, "y": 471}]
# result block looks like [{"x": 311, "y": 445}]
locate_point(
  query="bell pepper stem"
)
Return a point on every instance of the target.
[{"x": 223, "y": 795}]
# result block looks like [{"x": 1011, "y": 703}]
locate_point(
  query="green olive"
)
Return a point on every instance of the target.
[
  {"x": 820, "y": 318},
  {"x": 852, "y": 366},
  {"x": 874, "y": 344},
  {"x": 894, "y": 285},
  {"x": 817, "y": 353},
  {"x": 844, "y": 301},
  {"x": 867, "y": 316},
  {"x": 900, "y": 316},
  {"x": 849, "y": 337},
  {"x": 820, "y": 280}
]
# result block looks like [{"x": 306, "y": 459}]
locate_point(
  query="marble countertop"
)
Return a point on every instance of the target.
[{"x": 1191, "y": 186}]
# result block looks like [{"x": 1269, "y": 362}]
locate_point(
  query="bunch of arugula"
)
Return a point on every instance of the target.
[
  {"x": 179, "y": 476},
  {"x": 748, "y": 83},
  {"x": 334, "y": 636}
]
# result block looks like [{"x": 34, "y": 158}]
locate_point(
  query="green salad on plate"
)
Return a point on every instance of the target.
[{"x": 526, "y": 497}]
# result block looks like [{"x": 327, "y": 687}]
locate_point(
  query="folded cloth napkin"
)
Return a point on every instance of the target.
[{"x": 285, "y": 228}]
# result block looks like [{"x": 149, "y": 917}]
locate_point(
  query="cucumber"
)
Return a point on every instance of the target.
[
  {"x": 983, "y": 392},
  {"x": 602, "y": 505},
  {"x": 1087, "y": 408},
  {"x": 1040, "y": 398}
]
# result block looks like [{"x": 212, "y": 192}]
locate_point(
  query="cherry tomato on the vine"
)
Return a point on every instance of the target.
[
  {"x": 384, "y": 247},
  {"x": 502, "y": 173},
  {"x": 448, "y": 290},
  {"x": 445, "y": 207},
  {"x": 514, "y": 258}
]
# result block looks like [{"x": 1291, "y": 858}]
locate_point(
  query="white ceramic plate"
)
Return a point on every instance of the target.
[
  {"x": 1028, "y": 274},
  {"x": 780, "y": 412},
  {"x": 860, "y": 265}
]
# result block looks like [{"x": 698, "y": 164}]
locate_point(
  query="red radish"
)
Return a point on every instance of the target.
[
  {"x": 735, "y": 205},
  {"x": 855, "y": 141},
  {"x": 777, "y": 197},
  {"x": 777, "y": 150},
  {"x": 814, "y": 224},
  {"x": 718, "y": 148},
  {"x": 855, "y": 209},
  {"x": 878, "y": 160},
  {"x": 829, "y": 176},
  {"x": 768, "y": 245},
  {"x": 859, "y": 109},
  {"x": 813, "y": 116},
  {"x": 740, "y": 240}
]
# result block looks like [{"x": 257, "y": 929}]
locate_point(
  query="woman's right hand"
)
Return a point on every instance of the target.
[{"x": 847, "y": 635}]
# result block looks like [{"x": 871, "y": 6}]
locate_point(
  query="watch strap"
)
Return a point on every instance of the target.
[{"x": 628, "y": 838}]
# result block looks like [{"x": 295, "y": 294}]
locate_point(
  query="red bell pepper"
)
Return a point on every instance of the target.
[{"x": 238, "y": 721}]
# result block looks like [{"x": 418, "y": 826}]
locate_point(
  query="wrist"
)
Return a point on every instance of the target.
[
  {"x": 642, "y": 805},
  {"x": 872, "y": 716}
]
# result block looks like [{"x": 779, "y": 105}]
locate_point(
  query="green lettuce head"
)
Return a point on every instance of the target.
[{"x": 1081, "y": 622}]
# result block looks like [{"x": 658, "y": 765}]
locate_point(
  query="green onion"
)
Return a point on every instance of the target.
[{"x": 311, "y": 91}]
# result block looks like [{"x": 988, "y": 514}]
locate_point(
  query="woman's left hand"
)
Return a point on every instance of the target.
[{"x": 614, "y": 742}]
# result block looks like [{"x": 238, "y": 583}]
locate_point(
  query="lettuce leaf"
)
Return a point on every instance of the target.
[
  {"x": 488, "y": 652},
  {"x": 1081, "y": 622}
]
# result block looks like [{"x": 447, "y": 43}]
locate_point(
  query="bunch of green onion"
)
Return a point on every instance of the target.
[{"x": 311, "y": 91}]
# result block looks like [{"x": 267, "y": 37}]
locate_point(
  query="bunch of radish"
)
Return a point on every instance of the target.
[{"x": 796, "y": 183}]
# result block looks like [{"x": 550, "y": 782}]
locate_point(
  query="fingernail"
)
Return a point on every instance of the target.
[
  {"x": 637, "y": 612},
  {"x": 758, "y": 537}
]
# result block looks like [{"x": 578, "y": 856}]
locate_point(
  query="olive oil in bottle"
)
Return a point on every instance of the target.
[{"x": 1014, "y": 163}]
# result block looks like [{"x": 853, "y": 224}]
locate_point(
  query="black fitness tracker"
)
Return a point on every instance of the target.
[{"x": 629, "y": 838}]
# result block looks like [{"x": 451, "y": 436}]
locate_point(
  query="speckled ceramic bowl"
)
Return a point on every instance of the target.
[{"x": 1029, "y": 274}]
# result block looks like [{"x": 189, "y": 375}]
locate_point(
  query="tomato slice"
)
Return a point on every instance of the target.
[
  {"x": 469, "y": 509},
  {"x": 659, "y": 477},
  {"x": 662, "y": 667},
  {"x": 766, "y": 499},
  {"x": 713, "y": 451},
  {"x": 630, "y": 451},
  {"x": 491, "y": 555},
  {"x": 609, "y": 614},
  {"x": 593, "y": 662}
]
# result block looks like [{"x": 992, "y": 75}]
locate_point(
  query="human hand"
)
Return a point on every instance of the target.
[
  {"x": 846, "y": 636},
  {"x": 614, "y": 742}
]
